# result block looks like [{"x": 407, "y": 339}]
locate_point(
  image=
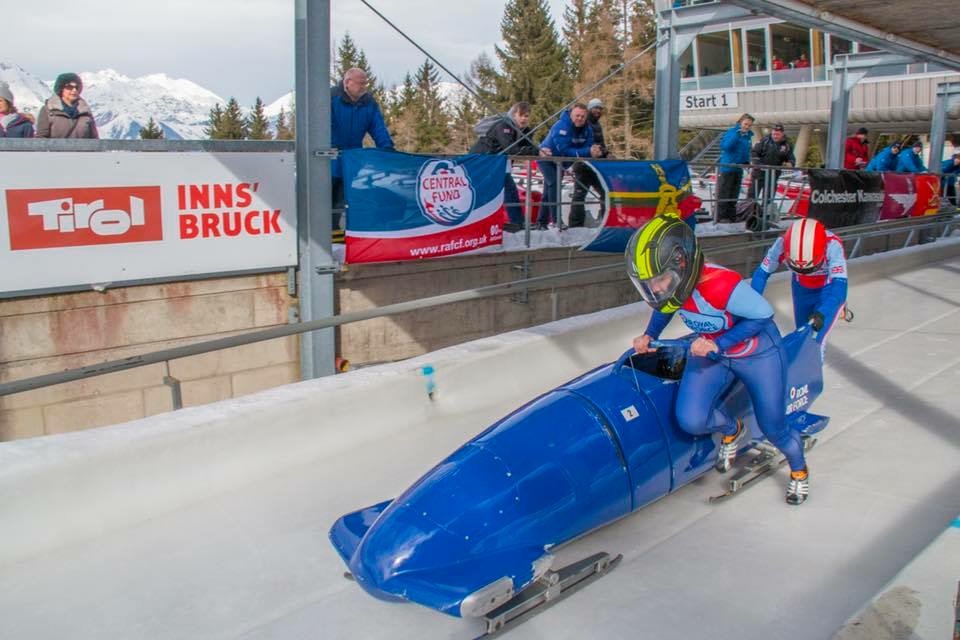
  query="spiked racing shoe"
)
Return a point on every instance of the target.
[
  {"x": 799, "y": 487},
  {"x": 728, "y": 448}
]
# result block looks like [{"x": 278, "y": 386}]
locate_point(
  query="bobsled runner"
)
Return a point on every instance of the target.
[{"x": 473, "y": 536}]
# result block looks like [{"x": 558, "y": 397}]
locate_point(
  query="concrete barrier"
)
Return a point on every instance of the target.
[{"x": 61, "y": 489}]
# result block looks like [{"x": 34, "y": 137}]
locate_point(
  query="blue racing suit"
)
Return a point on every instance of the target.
[
  {"x": 726, "y": 310},
  {"x": 824, "y": 291}
]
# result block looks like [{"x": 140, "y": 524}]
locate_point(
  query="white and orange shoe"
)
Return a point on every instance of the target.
[
  {"x": 799, "y": 488},
  {"x": 728, "y": 449}
]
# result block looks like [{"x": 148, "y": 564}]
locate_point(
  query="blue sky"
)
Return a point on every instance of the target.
[{"x": 242, "y": 48}]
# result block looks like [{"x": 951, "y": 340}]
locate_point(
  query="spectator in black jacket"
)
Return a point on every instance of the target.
[
  {"x": 775, "y": 150},
  {"x": 510, "y": 135},
  {"x": 584, "y": 176}
]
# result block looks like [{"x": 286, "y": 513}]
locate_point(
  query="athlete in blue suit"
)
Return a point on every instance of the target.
[
  {"x": 666, "y": 265},
  {"x": 819, "y": 267}
]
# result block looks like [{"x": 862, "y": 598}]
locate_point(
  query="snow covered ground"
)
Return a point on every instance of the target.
[{"x": 211, "y": 522}]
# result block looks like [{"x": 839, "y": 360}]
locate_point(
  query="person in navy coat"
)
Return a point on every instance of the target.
[{"x": 354, "y": 113}]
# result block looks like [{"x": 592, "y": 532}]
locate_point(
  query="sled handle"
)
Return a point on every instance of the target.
[{"x": 683, "y": 343}]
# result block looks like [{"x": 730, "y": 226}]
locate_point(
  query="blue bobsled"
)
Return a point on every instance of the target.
[{"x": 479, "y": 526}]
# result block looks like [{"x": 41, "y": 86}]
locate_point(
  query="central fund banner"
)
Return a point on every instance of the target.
[{"x": 407, "y": 207}]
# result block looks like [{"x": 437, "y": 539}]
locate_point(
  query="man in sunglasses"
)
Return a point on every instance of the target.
[{"x": 66, "y": 114}]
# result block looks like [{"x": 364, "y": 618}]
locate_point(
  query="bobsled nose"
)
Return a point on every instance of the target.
[
  {"x": 435, "y": 543},
  {"x": 399, "y": 544}
]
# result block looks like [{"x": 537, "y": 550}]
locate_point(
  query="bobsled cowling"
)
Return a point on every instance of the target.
[{"x": 479, "y": 526}]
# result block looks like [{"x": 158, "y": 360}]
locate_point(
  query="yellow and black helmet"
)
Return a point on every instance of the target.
[{"x": 664, "y": 261}]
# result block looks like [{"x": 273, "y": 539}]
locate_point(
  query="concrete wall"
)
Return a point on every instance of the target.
[{"x": 51, "y": 333}]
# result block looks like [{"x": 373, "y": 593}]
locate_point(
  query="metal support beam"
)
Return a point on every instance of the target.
[
  {"x": 676, "y": 29},
  {"x": 313, "y": 182},
  {"x": 807, "y": 15},
  {"x": 848, "y": 70},
  {"x": 947, "y": 93}
]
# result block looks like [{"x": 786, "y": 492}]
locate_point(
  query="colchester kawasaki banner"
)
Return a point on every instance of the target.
[
  {"x": 407, "y": 207},
  {"x": 844, "y": 198},
  {"x": 637, "y": 191}
]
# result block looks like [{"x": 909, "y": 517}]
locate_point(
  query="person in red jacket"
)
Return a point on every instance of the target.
[{"x": 857, "y": 151}]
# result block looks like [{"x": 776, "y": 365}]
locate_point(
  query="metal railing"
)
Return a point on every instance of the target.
[
  {"x": 783, "y": 188},
  {"x": 208, "y": 146},
  {"x": 942, "y": 223}
]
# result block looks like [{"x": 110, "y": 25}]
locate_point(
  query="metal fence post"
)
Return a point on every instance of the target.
[
  {"x": 529, "y": 204},
  {"x": 176, "y": 399}
]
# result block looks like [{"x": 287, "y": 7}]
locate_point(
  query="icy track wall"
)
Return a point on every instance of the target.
[{"x": 61, "y": 489}]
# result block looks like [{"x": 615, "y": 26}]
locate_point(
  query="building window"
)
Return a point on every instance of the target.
[
  {"x": 790, "y": 53},
  {"x": 713, "y": 51},
  {"x": 756, "y": 50},
  {"x": 839, "y": 46},
  {"x": 688, "y": 72}
]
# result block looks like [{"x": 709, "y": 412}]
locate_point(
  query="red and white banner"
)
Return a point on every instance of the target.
[{"x": 74, "y": 219}]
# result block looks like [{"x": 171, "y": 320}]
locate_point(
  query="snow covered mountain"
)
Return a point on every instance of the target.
[
  {"x": 273, "y": 109},
  {"x": 123, "y": 105},
  {"x": 29, "y": 92}
]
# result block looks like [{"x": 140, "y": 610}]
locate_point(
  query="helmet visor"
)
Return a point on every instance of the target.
[
  {"x": 804, "y": 268},
  {"x": 658, "y": 289}
]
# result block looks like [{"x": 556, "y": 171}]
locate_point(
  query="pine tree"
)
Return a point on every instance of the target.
[
  {"x": 292, "y": 119},
  {"x": 401, "y": 117},
  {"x": 602, "y": 52},
  {"x": 233, "y": 125},
  {"x": 151, "y": 131},
  {"x": 257, "y": 124},
  {"x": 485, "y": 80},
  {"x": 216, "y": 121},
  {"x": 466, "y": 113},
  {"x": 431, "y": 127},
  {"x": 574, "y": 33},
  {"x": 533, "y": 61},
  {"x": 640, "y": 77},
  {"x": 284, "y": 130},
  {"x": 347, "y": 57}
]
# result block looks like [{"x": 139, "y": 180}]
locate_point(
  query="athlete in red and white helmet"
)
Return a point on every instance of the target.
[{"x": 816, "y": 257}]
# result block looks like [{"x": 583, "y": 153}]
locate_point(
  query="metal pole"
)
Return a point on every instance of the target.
[
  {"x": 528, "y": 213},
  {"x": 839, "y": 111},
  {"x": 557, "y": 213},
  {"x": 313, "y": 183},
  {"x": 666, "y": 101},
  {"x": 938, "y": 126}
]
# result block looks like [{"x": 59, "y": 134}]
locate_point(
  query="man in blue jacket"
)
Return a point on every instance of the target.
[
  {"x": 570, "y": 137},
  {"x": 734, "y": 150},
  {"x": 353, "y": 114},
  {"x": 886, "y": 160},
  {"x": 909, "y": 160}
]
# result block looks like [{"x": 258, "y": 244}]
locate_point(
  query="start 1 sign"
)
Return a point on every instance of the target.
[
  {"x": 707, "y": 101},
  {"x": 75, "y": 219}
]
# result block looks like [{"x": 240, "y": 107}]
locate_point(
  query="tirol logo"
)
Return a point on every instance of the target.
[
  {"x": 444, "y": 192},
  {"x": 47, "y": 218}
]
